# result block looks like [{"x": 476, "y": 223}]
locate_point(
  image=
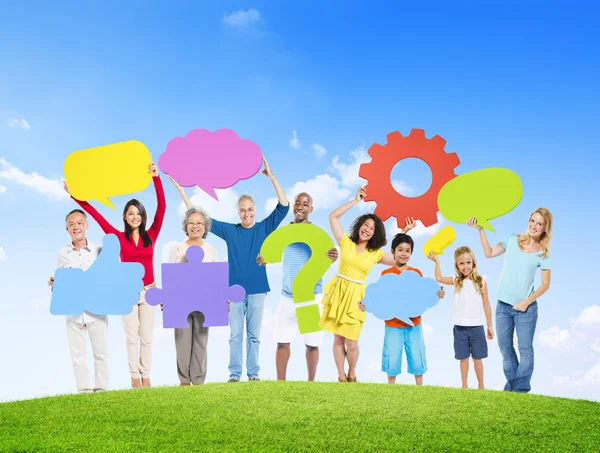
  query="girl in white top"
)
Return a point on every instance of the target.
[{"x": 470, "y": 309}]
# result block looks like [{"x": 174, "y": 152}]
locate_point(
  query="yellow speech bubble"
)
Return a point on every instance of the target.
[
  {"x": 486, "y": 194},
  {"x": 108, "y": 171},
  {"x": 440, "y": 241}
]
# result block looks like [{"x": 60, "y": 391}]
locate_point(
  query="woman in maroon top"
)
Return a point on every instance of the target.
[{"x": 137, "y": 245}]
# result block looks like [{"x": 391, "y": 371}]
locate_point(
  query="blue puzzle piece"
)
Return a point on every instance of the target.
[
  {"x": 402, "y": 296},
  {"x": 108, "y": 287},
  {"x": 195, "y": 286}
]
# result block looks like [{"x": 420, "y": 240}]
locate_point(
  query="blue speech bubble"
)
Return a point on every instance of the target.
[
  {"x": 108, "y": 287},
  {"x": 402, "y": 296}
]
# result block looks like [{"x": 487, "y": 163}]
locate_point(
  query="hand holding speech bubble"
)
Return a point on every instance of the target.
[
  {"x": 210, "y": 160},
  {"x": 487, "y": 193},
  {"x": 108, "y": 171},
  {"x": 402, "y": 296},
  {"x": 304, "y": 284},
  {"x": 440, "y": 241}
]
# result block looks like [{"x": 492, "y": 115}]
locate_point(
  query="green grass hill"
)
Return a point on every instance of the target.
[{"x": 300, "y": 417}]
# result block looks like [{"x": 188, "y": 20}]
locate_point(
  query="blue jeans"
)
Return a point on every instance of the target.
[
  {"x": 518, "y": 373},
  {"x": 251, "y": 308}
]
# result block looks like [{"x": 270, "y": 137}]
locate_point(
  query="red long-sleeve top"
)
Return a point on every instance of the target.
[{"x": 130, "y": 252}]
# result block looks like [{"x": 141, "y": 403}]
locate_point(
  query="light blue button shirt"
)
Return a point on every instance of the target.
[{"x": 518, "y": 271}]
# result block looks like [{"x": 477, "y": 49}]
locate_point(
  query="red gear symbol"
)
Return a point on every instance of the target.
[{"x": 378, "y": 174}]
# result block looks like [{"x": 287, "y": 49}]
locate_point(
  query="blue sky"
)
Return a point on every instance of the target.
[{"x": 508, "y": 85}]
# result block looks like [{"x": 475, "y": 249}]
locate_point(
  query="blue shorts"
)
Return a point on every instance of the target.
[
  {"x": 470, "y": 341},
  {"x": 398, "y": 338}
]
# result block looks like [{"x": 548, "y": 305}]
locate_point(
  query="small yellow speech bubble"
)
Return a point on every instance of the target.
[
  {"x": 108, "y": 171},
  {"x": 486, "y": 194},
  {"x": 440, "y": 241}
]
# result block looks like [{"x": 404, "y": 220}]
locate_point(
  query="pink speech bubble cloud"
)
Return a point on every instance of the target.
[{"x": 210, "y": 160}]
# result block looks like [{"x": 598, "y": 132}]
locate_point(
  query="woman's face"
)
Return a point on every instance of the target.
[
  {"x": 366, "y": 231},
  {"x": 537, "y": 225},
  {"x": 133, "y": 217},
  {"x": 195, "y": 226}
]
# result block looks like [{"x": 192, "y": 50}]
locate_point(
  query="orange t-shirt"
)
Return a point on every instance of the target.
[{"x": 396, "y": 322}]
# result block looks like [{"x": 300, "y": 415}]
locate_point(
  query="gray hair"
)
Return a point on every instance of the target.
[
  {"x": 246, "y": 197},
  {"x": 75, "y": 211},
  {"x": 194, "y": 210}
]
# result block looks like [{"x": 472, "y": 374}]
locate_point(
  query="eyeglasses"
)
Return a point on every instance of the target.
[
  {"x": 194, "y": 224},
  {"x": 244, "y": 211}
]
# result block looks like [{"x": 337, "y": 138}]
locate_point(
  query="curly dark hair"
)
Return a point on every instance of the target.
[{"x": 378, "y": 240}]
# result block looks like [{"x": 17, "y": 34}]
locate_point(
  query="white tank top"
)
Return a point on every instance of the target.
[{"x": 467, "y": 306}]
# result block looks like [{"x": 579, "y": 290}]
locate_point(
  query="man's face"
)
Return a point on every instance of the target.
[
  {"x": 402, "y": 254},
  {"x": 77, "y": 226},
  {"x": 247, "y": 212},
  {"x": 302, "y": 208}
]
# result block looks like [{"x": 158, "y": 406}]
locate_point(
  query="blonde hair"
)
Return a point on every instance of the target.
[
  {"x": 246, "y": 197},
  {"x": 477, "y": 279},
  {"x": 546, "y": 235}
]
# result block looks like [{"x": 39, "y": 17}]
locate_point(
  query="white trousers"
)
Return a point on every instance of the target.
[
  {"x": 76, "y": 334},
  {"x": 139, "y": 325}
]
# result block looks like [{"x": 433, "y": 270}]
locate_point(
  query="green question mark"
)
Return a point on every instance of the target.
[{"x": 304, "y": 284}]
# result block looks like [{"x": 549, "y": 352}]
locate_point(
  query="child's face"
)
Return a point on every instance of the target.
[
  {"x": 465, "y": 264},
  {"x": 402, "y": 254}
]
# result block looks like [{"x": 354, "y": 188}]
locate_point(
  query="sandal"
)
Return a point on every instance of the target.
[
  {"x": 352, "y": 379},
  {"x": 344, "y": 379}
]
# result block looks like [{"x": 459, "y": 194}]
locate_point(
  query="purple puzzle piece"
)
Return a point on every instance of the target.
[{"x": 195, "y": 286}]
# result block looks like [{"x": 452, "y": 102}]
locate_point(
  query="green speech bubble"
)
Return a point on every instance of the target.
[
  {"x": 304, "y": 284},
  {"x": 487, "y": 193}
]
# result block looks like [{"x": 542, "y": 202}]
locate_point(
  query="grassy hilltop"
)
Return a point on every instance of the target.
[{"x": 300, "y": 416}]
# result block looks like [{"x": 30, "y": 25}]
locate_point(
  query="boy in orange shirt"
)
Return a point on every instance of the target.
[{"x": 398, "y": 334}]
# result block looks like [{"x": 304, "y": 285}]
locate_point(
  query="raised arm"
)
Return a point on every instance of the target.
[
  {"x": 489, "y": 252},
  {"x": 161, "y": 202},
  {"x": 334, "y": 216},
  {"x": 278, "y": 190},
  {"x": 438, "y": 270},
  {"x": 184, "y": 197},
  {"x": 106, "y": 227}
]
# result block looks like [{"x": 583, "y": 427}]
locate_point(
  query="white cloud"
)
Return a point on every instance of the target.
[
  {"x": 349, "y": 171},
  {"x": 589, "y": 318},
  {"x": 325, "y": 190},
  {"x": 585, "y": 379},
  {"x": 294, "y": 142},
  {"x": 2, "y": 189},
  {"x": 225, "y": 209},
  {"x": 53, "y": 188},
  {"x": 167, "y": 249},
  {"x": 241, "y": 18},
  {"x": 320, "y": 150},
  {"x": 20, "y": 124},
  {"x": 427, "y": 332},
  {"x": 3, "y": 256},
  {"x": 583, "y": 334},
  {"x": 555, "y": 338},
  {"x": 402, "y": 188},
  {"x": 41, "y": 303}
]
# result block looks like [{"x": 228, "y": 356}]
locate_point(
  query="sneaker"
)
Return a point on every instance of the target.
[
  {"x": 254, "y": 378},
  {"x": 233, "y": 380}
]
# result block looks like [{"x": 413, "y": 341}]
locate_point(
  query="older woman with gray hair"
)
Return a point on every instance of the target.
[{"x": 191, "y": 342}]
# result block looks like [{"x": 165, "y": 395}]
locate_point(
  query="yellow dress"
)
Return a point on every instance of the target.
[{"x": 341, "y": 313}]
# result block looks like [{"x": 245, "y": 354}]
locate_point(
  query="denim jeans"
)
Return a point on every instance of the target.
[
  {"x": 518, "y": 371},
  {"x": 251, "y": 308}
]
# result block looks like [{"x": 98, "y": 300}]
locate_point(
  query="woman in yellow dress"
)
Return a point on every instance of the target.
[{"x": 359, "y": 252}]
